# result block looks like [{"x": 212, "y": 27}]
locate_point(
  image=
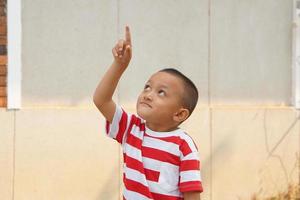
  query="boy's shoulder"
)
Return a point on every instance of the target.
[{"x": 178, "y": 136}]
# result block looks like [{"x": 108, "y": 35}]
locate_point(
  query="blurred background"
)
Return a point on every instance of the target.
[{"x": 239, "y": 53}]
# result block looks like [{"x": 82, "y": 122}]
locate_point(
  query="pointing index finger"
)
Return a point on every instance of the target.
[{"x": 127, "y": 35}]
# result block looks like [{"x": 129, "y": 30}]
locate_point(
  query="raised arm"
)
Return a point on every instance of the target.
[{"x": 122, "y": 53}]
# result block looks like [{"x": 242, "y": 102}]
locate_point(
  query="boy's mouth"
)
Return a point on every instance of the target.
[{"x": 145, "y": 104}]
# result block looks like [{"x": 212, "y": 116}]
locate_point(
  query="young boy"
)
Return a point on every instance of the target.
[{"x": 160, "y": 160}]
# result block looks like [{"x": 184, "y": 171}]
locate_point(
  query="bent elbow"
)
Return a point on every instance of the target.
[
  {"x": 96, "y": 101},
  {"x": 100, "y": 102}
]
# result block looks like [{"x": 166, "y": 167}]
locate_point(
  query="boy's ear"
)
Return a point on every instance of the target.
[{"x": 181, "y": 115}]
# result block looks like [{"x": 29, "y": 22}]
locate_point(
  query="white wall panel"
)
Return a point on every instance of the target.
[
  {"x": 66, "y": 49},
  {"x": 251, "y": 52}
]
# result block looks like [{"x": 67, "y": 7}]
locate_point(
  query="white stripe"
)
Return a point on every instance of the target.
[
  {"x": 135, "y": 176},
  {"x": 114, "y": 126},
  {"x": 136, "y": 131},
  {"x": 191, "y": 156},
  {"x": 130, "y": 195},
  {"x": 189, "y": 140},
  {"x": 176, "y": 132},
  {"x": 161, "y": 145},
  {"x": 164, "y": 188},
  {"x": 133, "y": 152},
  {"x": 190, "y": 175},
  {"x": 157, "y": 165}
]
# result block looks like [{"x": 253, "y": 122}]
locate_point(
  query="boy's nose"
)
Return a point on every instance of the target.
[{"x": 148, "y": 96}]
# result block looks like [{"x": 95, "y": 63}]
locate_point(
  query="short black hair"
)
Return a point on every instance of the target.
[{"x": 190, "y": 96}]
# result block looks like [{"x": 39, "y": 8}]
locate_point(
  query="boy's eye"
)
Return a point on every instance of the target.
[
  {"x": 161, "y": 93},
  {"x": 147, "y": 87}
]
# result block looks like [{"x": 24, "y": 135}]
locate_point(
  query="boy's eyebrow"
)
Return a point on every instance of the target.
[
  {"x": 164, "y": 86},
  {"x": 161, "y": 85}
]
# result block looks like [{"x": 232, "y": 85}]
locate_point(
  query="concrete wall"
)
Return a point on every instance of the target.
[{"x": 237, "y": 52}]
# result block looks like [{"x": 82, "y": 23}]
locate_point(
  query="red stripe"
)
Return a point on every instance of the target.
[
  {"x": 134, "y": 164},
  {"x": 191, "y": 186},
  {"x": 185, "y": 148},
  {"x": 134, "y": 141},
  {"x": 157, "y": 196},
  {"x": 137, "y": 187},
  {"x": 151, "y": 175},
  {"x": 189, "y": 165},
  {"x": 160, "y": 155},
  {"x": 137, "y": 121},
  {"x": 122, "y": 127},
  {"x": 142, "y": 127}
]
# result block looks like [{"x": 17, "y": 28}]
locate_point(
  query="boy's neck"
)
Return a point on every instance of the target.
[{"x": 160, "y": 128}]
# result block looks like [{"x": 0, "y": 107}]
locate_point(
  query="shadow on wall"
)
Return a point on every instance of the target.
[
  {"x": 108, "y": 191},
  {"x": 223, "y": 148}
]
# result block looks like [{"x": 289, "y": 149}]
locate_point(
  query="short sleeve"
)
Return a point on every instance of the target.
[
  {"x": 118, "y": 128},
  {"x": 189, "y": 169}
]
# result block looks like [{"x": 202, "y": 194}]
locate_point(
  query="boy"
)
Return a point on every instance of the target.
[{"x": 160, "y": 160}]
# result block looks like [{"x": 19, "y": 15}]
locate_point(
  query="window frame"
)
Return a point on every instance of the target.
[{"x": 14, "y": 52}]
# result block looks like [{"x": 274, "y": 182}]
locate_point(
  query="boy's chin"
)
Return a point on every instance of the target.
[{"x": 142, "y": 114}]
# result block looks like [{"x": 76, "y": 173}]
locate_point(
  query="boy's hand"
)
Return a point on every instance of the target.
[{"x": 122, "y": 52}]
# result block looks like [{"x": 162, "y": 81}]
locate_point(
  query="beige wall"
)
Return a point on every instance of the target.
[
  {"x": 62, "y": 153},
  {"x": 237, "y": 52}
]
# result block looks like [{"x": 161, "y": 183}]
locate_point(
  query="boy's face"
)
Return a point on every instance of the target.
[{"x": 160, "y": 99}]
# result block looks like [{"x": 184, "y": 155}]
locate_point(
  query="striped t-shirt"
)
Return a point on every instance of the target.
[{"x": 157, "y": 165}]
